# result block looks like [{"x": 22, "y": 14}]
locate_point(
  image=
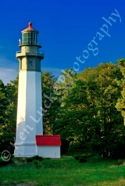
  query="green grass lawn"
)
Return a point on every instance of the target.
[{"x": 64, "y": 172}]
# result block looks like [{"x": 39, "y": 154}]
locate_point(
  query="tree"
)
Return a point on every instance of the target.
[
  {"x": 121, "y": 101},
  {"x": 53, "y": 92},
  {"x": 9, "y": 122},
  {"x": 3, "y": 103},
  {"x": 48, "y": 102},
  {"x": 88, "y": 118}
]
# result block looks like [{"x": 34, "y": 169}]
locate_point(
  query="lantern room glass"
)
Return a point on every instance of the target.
[{"x": 29, "y": 38}]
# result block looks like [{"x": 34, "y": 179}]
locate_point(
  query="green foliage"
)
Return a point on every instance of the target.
[
  {"x": 119, "y": 162},
  {"x": 8, "y": 126},
  {"x": 48, "y": 103},
  {"x": 80, "y": 107},
  {"x": 3, "y": 103},
  {"x": 88, "y": 120},
  {"x": 120, "y": 105}
]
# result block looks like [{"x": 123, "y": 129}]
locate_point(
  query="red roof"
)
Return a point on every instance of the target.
[
  {"x": 48, "y": 140},
  {"x": 30, "y": 28}
]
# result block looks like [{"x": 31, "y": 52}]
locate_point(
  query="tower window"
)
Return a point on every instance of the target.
[{"x": 30, "y": 64}]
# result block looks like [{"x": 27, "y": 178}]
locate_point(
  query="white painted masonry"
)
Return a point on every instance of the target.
[
  {"x": 48, "y": 151},
  {"x": 29, "y": 123}
]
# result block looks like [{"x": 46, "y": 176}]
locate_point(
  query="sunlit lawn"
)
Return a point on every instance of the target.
[{"x": 64, "y": 172}]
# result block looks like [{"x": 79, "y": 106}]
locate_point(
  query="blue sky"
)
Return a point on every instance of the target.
[{"x": 66, "y": 29}]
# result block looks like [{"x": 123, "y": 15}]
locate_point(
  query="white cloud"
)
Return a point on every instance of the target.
[
  {"x": 7, "y": 74},
  {"x": 8, "y": 69}
]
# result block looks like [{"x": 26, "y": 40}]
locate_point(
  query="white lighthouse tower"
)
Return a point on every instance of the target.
[{"x": 29, "y": 109}]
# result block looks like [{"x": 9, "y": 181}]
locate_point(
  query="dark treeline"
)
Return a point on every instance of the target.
[{"x": 87, "y": 109}]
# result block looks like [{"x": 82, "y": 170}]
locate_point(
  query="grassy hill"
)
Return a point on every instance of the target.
[{"x": 64, "y": 172}]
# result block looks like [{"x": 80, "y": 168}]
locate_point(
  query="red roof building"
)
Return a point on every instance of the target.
[{"x": 48, "y": 140}]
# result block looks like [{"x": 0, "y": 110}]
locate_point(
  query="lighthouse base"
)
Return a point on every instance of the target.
[
  {"x": 44, "y": 146},
  {"x": 25, "y": 150}
]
